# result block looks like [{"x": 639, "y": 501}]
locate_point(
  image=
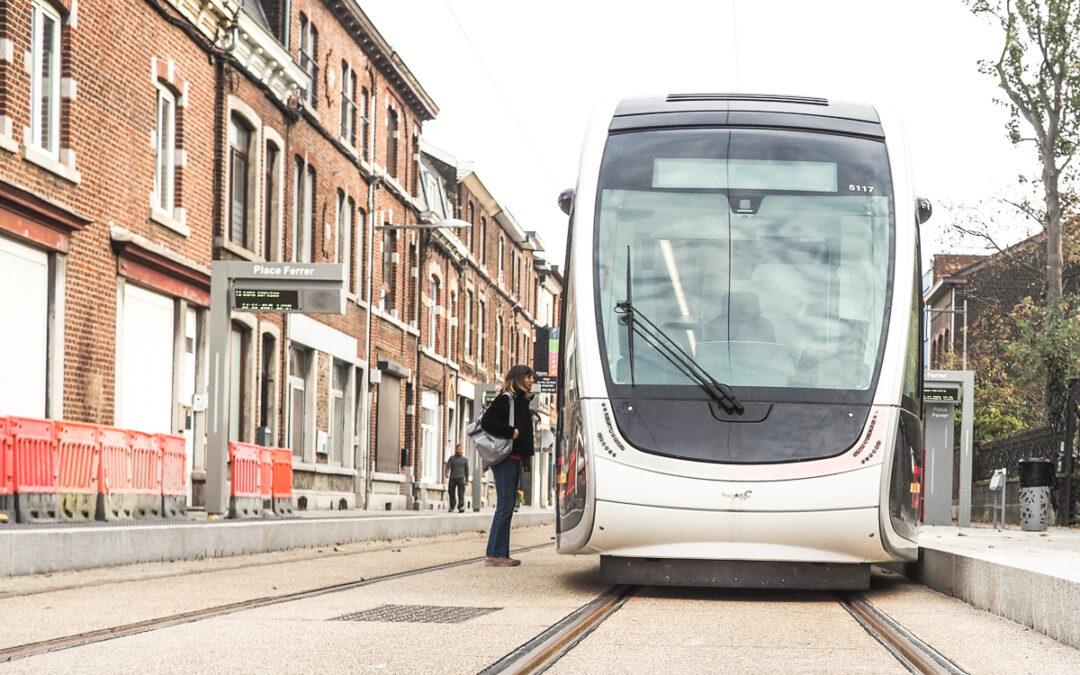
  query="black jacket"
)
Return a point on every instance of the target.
[{"x": 496, "y": 421}]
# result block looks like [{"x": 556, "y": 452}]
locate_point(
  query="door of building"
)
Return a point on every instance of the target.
[
  {"x": 388, "y": 448},
  {"x": 24, "y": 305}
]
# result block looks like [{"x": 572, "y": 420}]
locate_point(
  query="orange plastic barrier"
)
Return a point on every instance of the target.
[
  {"x": 7, "y": 474},
  {"x": 117, "y": 500},
  {"x": 36, "y": 468},
  {"x": 145, "y": 473},
  {"x": 281, "y": 490},
  {"x": 244, "y": 473},
  {"x": 266, "y": 477},
  {"x": 173, "y": 475},
  {"x": 79, "y": 446}
]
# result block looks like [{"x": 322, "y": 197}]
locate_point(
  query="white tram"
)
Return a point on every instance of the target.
[{"x": 741, "y": 373}]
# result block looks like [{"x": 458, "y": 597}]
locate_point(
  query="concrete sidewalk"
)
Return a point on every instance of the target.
[
  {"x": 56, "y": 548},
  {"x": 1032, "y": 578}
]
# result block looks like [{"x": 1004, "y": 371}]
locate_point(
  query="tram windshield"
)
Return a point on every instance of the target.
[{"x": 764, "y": 254}]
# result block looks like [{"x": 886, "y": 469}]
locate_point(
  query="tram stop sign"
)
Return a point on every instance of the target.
[
  {"x": 286, "y": 287},
  {"x": 317, "y": 288}
]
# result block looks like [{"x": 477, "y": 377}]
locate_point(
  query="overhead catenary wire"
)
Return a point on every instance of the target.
[{"x": 502, "y": 97}]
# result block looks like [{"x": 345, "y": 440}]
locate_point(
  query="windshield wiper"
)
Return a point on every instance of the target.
[{"x": 637, "y": 322}]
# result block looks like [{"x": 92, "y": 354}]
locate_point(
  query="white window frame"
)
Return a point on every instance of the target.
[
  {"x": 433, "y": 313},
  {"x": 430, "y": 421},
  {"x": 165, "y": 143},
  {"x": 40, "y": 11}
]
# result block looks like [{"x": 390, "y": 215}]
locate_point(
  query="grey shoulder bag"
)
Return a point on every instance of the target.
[{"x": 490, "y": 448}]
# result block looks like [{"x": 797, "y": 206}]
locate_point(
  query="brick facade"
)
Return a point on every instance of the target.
[{"x": 260, "y": 112}]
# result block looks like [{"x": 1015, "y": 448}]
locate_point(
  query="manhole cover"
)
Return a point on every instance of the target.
[{"x": 418, "y": 614}]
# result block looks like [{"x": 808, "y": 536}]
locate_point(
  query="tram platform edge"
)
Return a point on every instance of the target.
[
  {"x": 38, "y": 550},
  {"x": 1030, "y": 578}
]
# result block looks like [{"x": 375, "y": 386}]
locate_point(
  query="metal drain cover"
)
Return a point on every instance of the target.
[{"x": 418, "y": 614}]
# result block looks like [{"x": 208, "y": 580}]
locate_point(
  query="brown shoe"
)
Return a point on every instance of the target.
[{"x": 501, "y": 562}]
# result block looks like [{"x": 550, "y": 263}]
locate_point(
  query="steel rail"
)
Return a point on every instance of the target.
[
  {"x": 102, "y": 634},
  {"x": 914, "y": 654},
  {"x": 541, "y": 652}
]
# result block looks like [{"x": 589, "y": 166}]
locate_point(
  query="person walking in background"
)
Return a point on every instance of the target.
[
  {"x": 515, "y": 391},
  {"x": 457, "y": 471}
]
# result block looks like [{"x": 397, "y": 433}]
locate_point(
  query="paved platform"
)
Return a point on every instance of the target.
[
  {"x": 65, "y": 547},
  {"x": 1032, "y": 578}
]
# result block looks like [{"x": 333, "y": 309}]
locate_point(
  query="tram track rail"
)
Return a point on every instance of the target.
[
  {"x": 102, "y": 634},
  {"x": 546, "y": 648},
  {"x": 913, "y": 653}
]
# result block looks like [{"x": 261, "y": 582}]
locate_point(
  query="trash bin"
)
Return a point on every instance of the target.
[{"x": 1036, "y": 477}]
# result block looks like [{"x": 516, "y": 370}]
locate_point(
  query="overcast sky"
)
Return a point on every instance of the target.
[{"x": 549, "y": 62}]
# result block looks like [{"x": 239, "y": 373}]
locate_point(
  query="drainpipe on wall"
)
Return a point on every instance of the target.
[{"x": 365, "y": 448}]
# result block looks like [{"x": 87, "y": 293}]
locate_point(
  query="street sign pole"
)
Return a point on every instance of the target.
[{"x": 217, "y": 432}]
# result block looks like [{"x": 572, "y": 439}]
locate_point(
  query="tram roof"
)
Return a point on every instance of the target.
[{"x": 724, "y": 109}]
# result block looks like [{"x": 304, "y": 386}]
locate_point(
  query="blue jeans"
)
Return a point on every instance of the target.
[{"x": 506, "y": 475}]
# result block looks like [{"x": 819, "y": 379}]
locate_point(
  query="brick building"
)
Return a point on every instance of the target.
[{"x": 278, "y": 130}]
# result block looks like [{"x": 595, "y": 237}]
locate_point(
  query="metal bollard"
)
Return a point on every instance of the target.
[
  {"x": 1036, "y": 477},
  {"x": 998, "y": 483}
]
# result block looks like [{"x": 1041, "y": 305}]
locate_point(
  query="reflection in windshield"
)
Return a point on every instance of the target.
[{"x": 769, "y": 288}]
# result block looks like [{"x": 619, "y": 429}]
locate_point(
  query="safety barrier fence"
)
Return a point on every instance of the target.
[{"x": 54, "y": 470}]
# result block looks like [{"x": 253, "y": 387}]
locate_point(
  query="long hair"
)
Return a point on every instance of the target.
[{"x": 515, "y": 379}]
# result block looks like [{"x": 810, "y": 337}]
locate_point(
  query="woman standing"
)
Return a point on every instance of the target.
[{"x": 496, "y": 421}]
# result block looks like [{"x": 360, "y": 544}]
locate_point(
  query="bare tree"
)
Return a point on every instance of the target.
[{"x": 1039, "y": 72}]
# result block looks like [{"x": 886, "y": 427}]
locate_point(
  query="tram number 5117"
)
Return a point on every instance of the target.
[{"x": 860, "y": 188}]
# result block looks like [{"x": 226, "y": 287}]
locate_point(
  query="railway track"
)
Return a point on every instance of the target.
[
  {"x": 533, "y": 656},
  {"x": 544, "y": 650}
]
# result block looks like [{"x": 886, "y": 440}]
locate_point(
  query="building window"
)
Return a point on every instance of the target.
[
  {"x": 498, "y": 344},
  {"x": 502, "y": 259},
  {"x": 358, "y": 253},
  {"x": 481, "y": 334},
  {"x": 277, "y": 16},
  {"x": 429, "y": 436},
  {"x": 348, "y": 105},
  {"x": 299, "y": 371},
  {"x": 272, "y": 202},
  {"x": 303, "y": 210},
  {"x": 365, "y": 122},
  {"x": 483, "y": 240},
  {"x": 267, "y": 390},
  {"x": 239, "y": 384},
  {"x": 468, "y": 323},
  {"x": 240, "y": 184},
  {"x": 472, "y": 221},
  {"x": 451, "y": 327},
  {"x": 391, "y": 142},
  {"x": 433, "y": 316},
  {"x": 165, "y": 146},
  {"x": 45, "y": 80},
  {"x": 309, "y": 57},
  {"x": 339, "y": 431},
  {"x": 389, "y": 258},
  {"x": 343, "y": 231}
]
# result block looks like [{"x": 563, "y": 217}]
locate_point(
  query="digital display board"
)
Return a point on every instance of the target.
[
  {"x": 940, "y": 394},
  {"x": 266, "y": 300}
]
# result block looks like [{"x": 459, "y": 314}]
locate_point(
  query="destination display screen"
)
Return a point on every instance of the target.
[
  {"x": 941, "y": 394},
  {"x": 744, "y": 174},
  {"x": 266, "y": 300}
]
